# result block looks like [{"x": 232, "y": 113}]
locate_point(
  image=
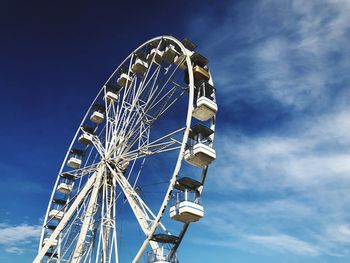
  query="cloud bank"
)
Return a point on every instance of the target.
[{"x": 281, "y": 180}]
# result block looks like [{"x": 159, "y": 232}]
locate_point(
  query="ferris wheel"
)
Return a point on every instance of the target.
[{"x": 132, "y": 178}]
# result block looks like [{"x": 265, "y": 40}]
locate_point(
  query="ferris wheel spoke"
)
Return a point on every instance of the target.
[
  {"x": 154, "y": 95},
  {"x": 96, "y": 143},
  {"x": 143, "y": 214},
  {"x": 134, "y": 128},
  {"x": 165, "y": 107},
  {"x": 130, "y": 111},
  {"x": 164, "y": 144},
  {"x": 134, "y": 114},
  {"x": 81, "y": 172},
  {"x": 133, "y": 109}
]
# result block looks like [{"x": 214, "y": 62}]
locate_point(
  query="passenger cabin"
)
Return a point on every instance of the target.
[
  {"x": 111, "y": 92},
  {"x": 125, "y": 78},
  {"x": 165, "y": 238},
  {"x": 140, "y": 65},
  {"x": 161, "y": 255},
  {"x": 200, "y": 152},
  {"x": 180, "y": 61},
  {"x": 170, "y": 54},
  {"x": 97, "y": 114},
  {"x": 156, "y": 51},
  {"x": 65, "y": 188},
  {"x": 59, "y": 202},
  {"x": 57, "y": 207},
  {"x": 189, "y": 49},
  {"x": 205, "y": 106},
  {"x": 199, "y": 69},
  {"x": 51, "y": 227},
  {"x": 56, "y": 214},
  {"x": 54, "y": 243},
  {"x": 86, "y": 136},
  {"x": 187, "y": 207},
  {"x": 188, "y": 44},
  {"x": 155, "y": 55},
  {"x": 200, "y": 74},
  {"x": 68, "y": 176},
  {"x": 75, "y": 158}
]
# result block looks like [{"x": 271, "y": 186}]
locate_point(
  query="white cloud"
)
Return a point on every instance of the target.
[
  {"x": 292, "y": 51},
  {"x": 285, "y": 243},
  {"x": 298, "y": 68},
  {"x": 14, "y": 250},
  {"x": 295, "y": 179},
  {"x": 315, "y": 153},
  {"x": 287, "y": 187},
  {"x": 15, "y": 239},
  {"x": 339, "y": 233}
]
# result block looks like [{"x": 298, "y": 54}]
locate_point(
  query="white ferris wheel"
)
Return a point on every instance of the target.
[{"x": 132, "y": 178}]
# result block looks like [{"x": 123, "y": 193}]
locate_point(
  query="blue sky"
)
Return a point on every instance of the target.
[{"x": 279, "y": 190}]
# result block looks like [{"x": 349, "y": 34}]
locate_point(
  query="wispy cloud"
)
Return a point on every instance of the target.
[
  {"x": 285, "y": 243},
  {"x": 286, "y": 50},
  {"x": 313, "y": 154},
  {"x": 339, "y": 233},
  {"x": 288, "y": 181},
  {"x": 278, "y": 182},
  {"x": 16, "y": 239}
]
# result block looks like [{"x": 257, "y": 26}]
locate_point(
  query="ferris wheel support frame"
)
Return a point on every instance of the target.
[
  {"x": 66, "y": 218},
  {"x": 90, "y": 211}
]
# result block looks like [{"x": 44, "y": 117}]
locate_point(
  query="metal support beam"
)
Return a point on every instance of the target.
[
  {"x": 80, "y": 198},
  {"x": 90, "y": 211}
]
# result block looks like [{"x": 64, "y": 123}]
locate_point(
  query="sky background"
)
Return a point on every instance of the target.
[{"x": 279, "y": 190}]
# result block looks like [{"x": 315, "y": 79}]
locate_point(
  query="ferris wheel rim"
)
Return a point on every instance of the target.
[{"x": 180, "y": 157}]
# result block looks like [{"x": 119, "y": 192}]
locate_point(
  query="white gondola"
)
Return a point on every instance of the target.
[
  {"x": 200, "y": 155},
  {"x": 111, "y": 96},
  {"x": 124, "y": 80},
  {"x": 56, "y": 214},
  {"x": 155, "y": 55},
  {"x": 97, "y": 117},
  {"x": 170, "y": 54},
  {"x": 139, "y": 67},
  {"x": 187, "y": 212},
  {"x": 200, "y": 152},
  {"x": 64, "y": 188},
  {"x": 206, "y": 107},
  {"x": 54, "y": 243},
  {"x": 85, "y": 138},
  {"x": 187, "y": 207},
  {"x": 160, "y": 255},
  {"x": 111, "y": 92},
  {"x": 74, "y": 162}
]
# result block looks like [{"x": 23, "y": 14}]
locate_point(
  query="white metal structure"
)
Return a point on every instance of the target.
[{"x": 126, "y": 158}]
